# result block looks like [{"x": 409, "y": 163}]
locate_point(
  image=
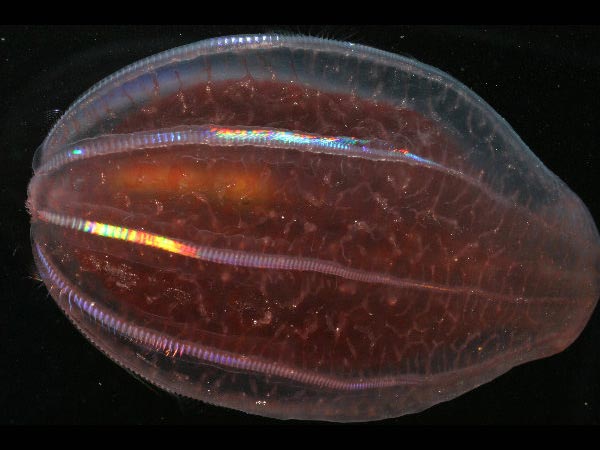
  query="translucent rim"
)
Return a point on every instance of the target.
[{"x": 269, "y": 41}]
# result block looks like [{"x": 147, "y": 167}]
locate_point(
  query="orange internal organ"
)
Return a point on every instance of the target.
[{"x": 231, "y": 184}]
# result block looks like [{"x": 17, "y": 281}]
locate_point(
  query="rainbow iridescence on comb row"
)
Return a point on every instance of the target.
[
  {"x": 245, "y": 135},
  {"x": 236, "y": 136},
  {"x": 230, "y": 257}
]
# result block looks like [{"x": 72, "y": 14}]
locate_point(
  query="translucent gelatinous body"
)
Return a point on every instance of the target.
[{"x": 304, "y": 228}]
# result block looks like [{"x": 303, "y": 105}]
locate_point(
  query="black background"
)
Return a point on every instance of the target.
[{"x": 543, "y": 80}]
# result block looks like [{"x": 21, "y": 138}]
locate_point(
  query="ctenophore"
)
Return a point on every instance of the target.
[{"x": 304, "y": 228}]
